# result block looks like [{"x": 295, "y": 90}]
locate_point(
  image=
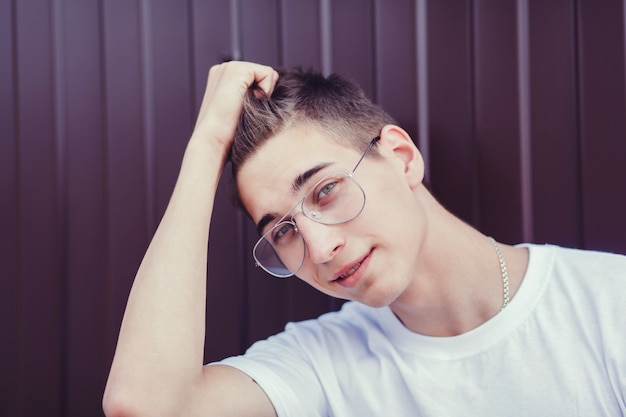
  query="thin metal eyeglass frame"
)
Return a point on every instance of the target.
[{"x": 301, "y": 203}]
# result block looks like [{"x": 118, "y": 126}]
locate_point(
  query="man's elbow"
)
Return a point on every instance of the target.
[
  {"x": 114, "y": 407},
  {"x": 117, "y": 403},
  {"x": 122, "y": 401}
]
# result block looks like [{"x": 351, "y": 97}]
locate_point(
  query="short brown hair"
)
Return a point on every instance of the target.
[{"x": 335, "y": 104}]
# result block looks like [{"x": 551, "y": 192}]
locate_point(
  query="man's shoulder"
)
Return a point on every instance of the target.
[
  {"x": 595, "y": 276},
  {"x": 575, "y": 257}
]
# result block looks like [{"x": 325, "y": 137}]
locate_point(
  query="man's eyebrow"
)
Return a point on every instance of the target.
[
  {"x": 302, "y": 178},
  {"x": 296, "y": 185},
  {"x": 265, "y": 220}
]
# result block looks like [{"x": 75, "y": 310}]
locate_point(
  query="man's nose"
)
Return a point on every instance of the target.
[{"x": 323, "y": 241}]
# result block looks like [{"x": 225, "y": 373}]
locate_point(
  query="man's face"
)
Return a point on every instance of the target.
[{"x": 372, "y": 258}]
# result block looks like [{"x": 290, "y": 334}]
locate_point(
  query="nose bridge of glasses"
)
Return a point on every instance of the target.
[
  {"x": 293, "y": 217},
  {"x": 310, "y": 211},
  {"x": 313, "y": 215}
]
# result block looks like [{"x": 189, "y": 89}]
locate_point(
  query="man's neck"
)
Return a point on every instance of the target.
[{"x": 459, "y": 283}]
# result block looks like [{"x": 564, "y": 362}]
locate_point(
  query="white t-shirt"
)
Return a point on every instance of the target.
[{"x": 558, "y": 349}]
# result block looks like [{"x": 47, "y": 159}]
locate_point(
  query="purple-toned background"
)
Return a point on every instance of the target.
[{"x": 518, "y": 107}]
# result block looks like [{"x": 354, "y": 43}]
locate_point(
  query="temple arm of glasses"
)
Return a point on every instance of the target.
[{"x": 373, "y": 141}]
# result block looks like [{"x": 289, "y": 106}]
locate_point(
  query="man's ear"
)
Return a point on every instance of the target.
[{"x": 400, "y": 145}]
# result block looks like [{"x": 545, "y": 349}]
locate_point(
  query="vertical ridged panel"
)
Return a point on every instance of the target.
[
  {"x": 396, "y": 61},
  {"x": 451, "y": 106},
  {"x": 352, "y": 44},
  {"x": 81, "y": 132},
  {"x": 497, "y": 119},
  {"x": 41, "y": 264},
  {"x": 554, "y": 127},
  {"x": 9, "y": 212},
  {"x": 602, "y": 108}
]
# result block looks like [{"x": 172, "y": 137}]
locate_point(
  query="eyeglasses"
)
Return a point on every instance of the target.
[{"x": 335, "y": 199}]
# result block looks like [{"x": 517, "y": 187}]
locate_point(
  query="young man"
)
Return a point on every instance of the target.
[{"x": 445, "y": 321}]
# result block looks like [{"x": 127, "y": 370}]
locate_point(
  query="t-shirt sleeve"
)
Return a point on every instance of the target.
[
  {"x": 613, "y": 315},
  {"x": 282, "y": 369},
  {"x": 602, "y": 298}
]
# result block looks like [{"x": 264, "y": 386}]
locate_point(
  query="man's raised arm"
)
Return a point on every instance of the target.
[{"x": 157, "y": 369}]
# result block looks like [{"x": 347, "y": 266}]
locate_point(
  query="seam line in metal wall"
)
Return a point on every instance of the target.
[
  {"x": 191, "y": 49},
  {"x": 525, "y": 122},
  {"x": 624, "y": 26},
  {"x": 148, "y": 115},
  {"x": 242, "y": 270},
  {"x": 326, "y": 36},
  {"x": 280, "y": 35},
  {"x": 235, "y": 39},
  {"x": 59, "y": 69},
  {"x": 421, "y": 42},
  {"x": 577, "y": 37},
  {"x": 471, "y": 103},
  {"x": 106, "y": 185},
  {"x": 375, "y": 24},
  {"x": 19, "y": 333}
]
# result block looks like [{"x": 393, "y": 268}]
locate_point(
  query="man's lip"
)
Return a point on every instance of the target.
[{"x": 355, "y": 265}]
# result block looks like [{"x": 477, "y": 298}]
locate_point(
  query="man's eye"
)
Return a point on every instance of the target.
[
  {"x": 282, "y": 232},
  {"x": 326, "y": 189}
]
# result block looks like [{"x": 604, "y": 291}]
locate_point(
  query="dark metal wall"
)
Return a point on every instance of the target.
[{"x": 518, "y": 107}]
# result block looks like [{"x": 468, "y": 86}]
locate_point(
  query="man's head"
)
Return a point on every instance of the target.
[
  {"x": 295, "y": 157},
  {"x": 334, "y": 104}
]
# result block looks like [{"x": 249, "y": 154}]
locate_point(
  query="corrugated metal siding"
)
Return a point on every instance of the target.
[{"x": 518, "y": 107}]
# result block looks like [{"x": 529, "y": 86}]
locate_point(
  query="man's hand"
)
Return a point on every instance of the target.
[{"x": 221, "y": 106}]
